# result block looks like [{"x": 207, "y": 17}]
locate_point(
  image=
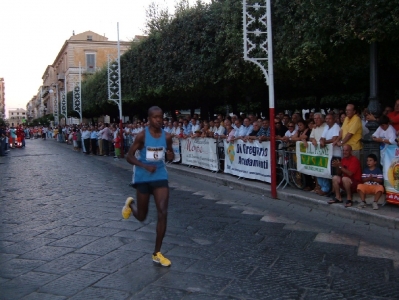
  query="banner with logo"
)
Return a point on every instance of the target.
[
  {"x": 390, "y": 165},
  {"x": 176, "y": 149},
  {"x": 315, "y": 161},
  {"x": 200, "y": 152},
  {"x": 248, "y": 160}
]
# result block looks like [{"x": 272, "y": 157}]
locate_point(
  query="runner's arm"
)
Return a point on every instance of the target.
[{"x": 138, "y": 144}]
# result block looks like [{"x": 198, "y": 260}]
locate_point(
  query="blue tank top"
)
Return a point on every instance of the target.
[{"x": 153, "y": 153}]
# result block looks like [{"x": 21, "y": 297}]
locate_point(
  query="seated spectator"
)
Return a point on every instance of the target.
[
  {"x": 349, "y": 176},
  {"x": 372, "y": 182}
]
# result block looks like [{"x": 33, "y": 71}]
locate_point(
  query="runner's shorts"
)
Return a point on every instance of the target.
[{"x": 149, "y": 187}]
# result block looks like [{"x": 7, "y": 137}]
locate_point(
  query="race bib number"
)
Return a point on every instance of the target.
[{"x": 155, "y": 153}]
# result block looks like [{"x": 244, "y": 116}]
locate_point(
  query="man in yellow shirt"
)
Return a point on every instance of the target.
[{"x": 351, "y": 131}]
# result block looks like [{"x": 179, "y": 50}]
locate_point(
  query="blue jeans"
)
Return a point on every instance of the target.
[{"x": 325, "y": 184}]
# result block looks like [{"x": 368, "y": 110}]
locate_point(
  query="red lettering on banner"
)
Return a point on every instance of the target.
[{"x": 193, "y": 148}]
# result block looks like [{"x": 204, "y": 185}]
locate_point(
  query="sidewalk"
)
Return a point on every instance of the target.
[{"x": 386, "y": 216}]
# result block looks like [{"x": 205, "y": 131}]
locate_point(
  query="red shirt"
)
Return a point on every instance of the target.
[
  {"x": 394, "y": 118},
  {"x": 352, "y": 164},
  {"x": 117, "y": 141}
]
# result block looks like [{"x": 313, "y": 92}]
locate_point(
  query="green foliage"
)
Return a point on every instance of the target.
[{"x": 195, "y": 58}]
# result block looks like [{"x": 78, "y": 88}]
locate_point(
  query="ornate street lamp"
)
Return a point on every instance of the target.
[
  {"x": 258, "y": 49},
  {"x": 115, "y": 87}
]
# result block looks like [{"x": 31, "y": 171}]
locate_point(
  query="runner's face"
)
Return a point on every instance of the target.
[{"x": 156, "y": 119}]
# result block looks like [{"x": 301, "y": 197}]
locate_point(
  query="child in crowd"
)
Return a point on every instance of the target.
[
  {"x": 117, "y": 146},
  {"x": 372, "y": 182}
]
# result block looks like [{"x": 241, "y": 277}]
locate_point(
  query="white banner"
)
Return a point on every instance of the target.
[
  {"x": 313, "y": 160},
  {"x": 248, "y": 160},
  {"x": 200, "y": 152},
  {"x": 176, "y": 149}
]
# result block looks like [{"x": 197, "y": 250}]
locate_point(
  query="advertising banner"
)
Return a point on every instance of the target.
[
  {"x": 176, "y": 149},
  {"x": 391, "y": 173},
  {"x": 200, "y": 152},
  {"x": 315, "y": 161},
  {"x": 248, "y": 160}
]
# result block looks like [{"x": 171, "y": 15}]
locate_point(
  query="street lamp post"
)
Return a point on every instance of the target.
[
  {"x": 258, "y": 49},
  {"x": 115, "y": 87}
]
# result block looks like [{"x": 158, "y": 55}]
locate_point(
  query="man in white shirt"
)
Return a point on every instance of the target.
[
  {"x": 315, "y": 137},
  {"x": 194, "y": 127},
  {"x": 329, "y": 136},
  {"x": 218, "y": 129},
  {"x": 385, "y": 135}
]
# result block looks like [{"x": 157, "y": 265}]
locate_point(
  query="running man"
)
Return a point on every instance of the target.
[{"x": 150, "y": 175}]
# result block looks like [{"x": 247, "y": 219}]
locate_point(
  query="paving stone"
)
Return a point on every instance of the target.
[
  {"x": 47, "y": 253},
  {"x": 102, "y": 246},
  {"x": 100, "y": 293},
  {"x": 99, "y": 231},
  {"x": 4, "y": 257},
  {"x": 153, "y": 292},
  {"x": 16, "y": 266},
  {"x": 137, "y": 235},
  {"x": 144, "y": 246},
  {"x": 24, "y": 285},
  {"x": 26, "y": 245},
  {"x": 61, "y": 232},
  {"x": 113, "y": 261},
  {"x": 67, "y": 263},
  {"x": 71, "y": 283},
  {"x": 43, "y": 296},
  {"x": 195, "y": 282},
  {"x": 135, "y": 276},
  {"x": 125, "y": 224},
  {"x": 75, "y": 241}
]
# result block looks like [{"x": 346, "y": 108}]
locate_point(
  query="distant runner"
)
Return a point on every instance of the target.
[{"x": 150, "y": 176}]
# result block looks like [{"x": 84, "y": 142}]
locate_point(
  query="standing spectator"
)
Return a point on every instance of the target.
[
  {"x": 264, "y": 132},
  {"x": 117, "y": 146},
  {"x": 394, "y": 117},
  {"x": 351, "y": 131},
  {"x": 93, "y": 140},
  {"x": 86, "y": 140},
  {"x": 3, "y": 140},
  {"x": 329, "y": 136},
  {"x": 105, "y": 135},
  {"x": 303, "y": 135},
  {"x": 289, "y": 133},
  {"x": 315, "y": 138},
  {"x": 385, "y": 135},
  {"x": 349, "y": 176}
]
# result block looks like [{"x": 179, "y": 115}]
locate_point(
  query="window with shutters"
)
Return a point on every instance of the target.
[{"x": 90, "y": 62}]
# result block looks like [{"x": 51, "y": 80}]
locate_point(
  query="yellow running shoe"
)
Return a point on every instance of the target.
[
  {"x": 160, "y": 259},
  {"x": 126, "y": 210}
]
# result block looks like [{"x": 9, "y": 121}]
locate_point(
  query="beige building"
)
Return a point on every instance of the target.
[
  {"x": 2, "y": 99},
  {"x": 16, "y": 116},
  {"x": 89, "y": 50}
]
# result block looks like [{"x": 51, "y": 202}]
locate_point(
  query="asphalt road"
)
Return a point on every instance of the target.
[{"x": 62, "y": 237}]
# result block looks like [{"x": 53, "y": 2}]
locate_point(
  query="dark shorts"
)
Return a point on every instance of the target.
[{"x": 149, "y": 187}]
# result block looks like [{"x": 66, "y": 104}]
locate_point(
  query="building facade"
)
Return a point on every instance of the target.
[
  {"x": 86, "y": 52},
  {"x": 16, "y": 116}
]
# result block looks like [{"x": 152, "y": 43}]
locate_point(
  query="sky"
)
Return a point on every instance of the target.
[{"x": 33, "y": 31}]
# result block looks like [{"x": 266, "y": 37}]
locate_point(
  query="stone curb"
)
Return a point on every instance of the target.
[{"x": 289, "y": 194}]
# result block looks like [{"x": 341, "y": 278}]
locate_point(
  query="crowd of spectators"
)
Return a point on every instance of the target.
[{"x": 344, "y": 129}]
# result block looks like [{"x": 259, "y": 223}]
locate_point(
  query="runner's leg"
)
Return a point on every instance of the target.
[
  {"x": 161, "y": 197},
  {"x": 140, "y": 209}
]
